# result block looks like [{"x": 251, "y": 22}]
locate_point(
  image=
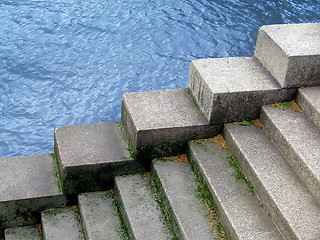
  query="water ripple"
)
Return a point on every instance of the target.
[{"x": 69, "y": 62}]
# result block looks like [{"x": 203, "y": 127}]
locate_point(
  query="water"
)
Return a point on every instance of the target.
[{"x": 66, "y": 62}]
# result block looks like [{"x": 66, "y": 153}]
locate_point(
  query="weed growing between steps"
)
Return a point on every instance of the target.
[
  {"x": 255, "y": 122},
  {"x": 123, "y": 230},
  {"x": 289, "y": 104},
  {"x": 231, "y": 160},
  {"x": 203, "y": 193},
  {"x": 156, "y": 194},
  {"x": 239, "y": 174},
  {"x": 79, "y": 221},
  {"x": 40, "y": 231},
  {"x": 163, "y": 201},
  {"x": 57, "y": 171}
]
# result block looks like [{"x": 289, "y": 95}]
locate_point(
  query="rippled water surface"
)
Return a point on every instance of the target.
[{"x": 65, "y": 62}]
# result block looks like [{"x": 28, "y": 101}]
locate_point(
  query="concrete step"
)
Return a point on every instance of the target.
[
  {"x": 309, "y": 101},
  {"x": 140, "y": 209},
  {"x": 178, "y": 187},
  {"x": 100, "y": 216},
  {"x": 24, "y": 233},
  {"x": 62, "y": 224},
  {"x": 160, "y": 123},
  {"x": 291, "y": 53},
  {"x": 28, "y": 186},
  {"x": 90, "y": 155},
  {"x": 299, "y": 140},
  {"x": 240, "y": 210},
  {"x": 233, "y": 89},
  {"x": 290, "y": 204}
]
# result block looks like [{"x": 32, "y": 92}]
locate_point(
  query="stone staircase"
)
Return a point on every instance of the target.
[{"x": 231, "y": 176}]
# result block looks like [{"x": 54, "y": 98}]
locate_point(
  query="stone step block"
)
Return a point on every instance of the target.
[
  {"x": 62, "y": 224},
  {"x": 291, "y": 205},
  {"x": 140, "y": 209},
  {"x": 28, "y": 186},
  {"x": 90, "y": 155},
  {"x": 100, "y": 216},
  {"x": 160, "y": 123},
  {"x": 309, "y": 101},
  {"x": 233, "y": 89},
  {"x": 240, "y": 210},
  {"x": 180, "y": 197},
  {"x": 24, "y": 233},
  {"x": 299, "y": 140},
  {"x": 291, "y": 53}
]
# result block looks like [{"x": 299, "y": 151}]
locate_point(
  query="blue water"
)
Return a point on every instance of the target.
[{"x": 66, "y": 62}]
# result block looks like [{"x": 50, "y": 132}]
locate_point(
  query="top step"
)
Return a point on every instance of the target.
[
  {"x": 291, "y": 53},
  {"x": 233, "y": 89}
]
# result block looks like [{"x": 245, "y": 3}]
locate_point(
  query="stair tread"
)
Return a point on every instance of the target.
[
  {"x": 190, "y": 213},
  {"x": 299, "y": 140},
  {"x": 61, "y": 224},
  {"x": 99, "y": 215},
  {"x": 241, "y": 212},
  {"x": 23, "y": 233},
  {"x": 233, "y": 89},
  {"x": 309, "y": 101},
  {"x": 28, "y": 184},
  {"x": 171, "y": 114},
  {"x": 290, "y": 204},
  {"x": 139, "y": 208}
]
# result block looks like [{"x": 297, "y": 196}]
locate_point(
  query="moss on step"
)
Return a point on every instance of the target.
[
  {"x": 239, "y": 174},
  {"x": 163, "y": 201},
  {"x": 203, "y": 193},
  {"x": 156, "y": 194},
  {"x": 57, "y": 172},
  {"x": 194, "y": 101},
  {"x": 125, "y": 137}
]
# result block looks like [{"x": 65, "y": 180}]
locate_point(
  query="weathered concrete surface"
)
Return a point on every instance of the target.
[
  {"x": 233, "y": 89},
  {"x": 299, "y": 140},
  {"x": 100, "y": 216},
  {"x": 290, "y": 204},
  {"x": 241, "y": 212},
  {"x": 140, "y": 210},
  {"x": 309, "y": 101},
  {"x": 291, "y": 53},
  {"x": 23, "y": 233},
  {"x": 28, "y": 186},
  {"x": 178, "y": 183},
  {"x": 160, "y": 123},
  {"x": 61, "y": 224},
  {"x": 90, "y": 155}
]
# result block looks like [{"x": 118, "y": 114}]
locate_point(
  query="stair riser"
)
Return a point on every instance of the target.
[{"x": 26, "y": 212}]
